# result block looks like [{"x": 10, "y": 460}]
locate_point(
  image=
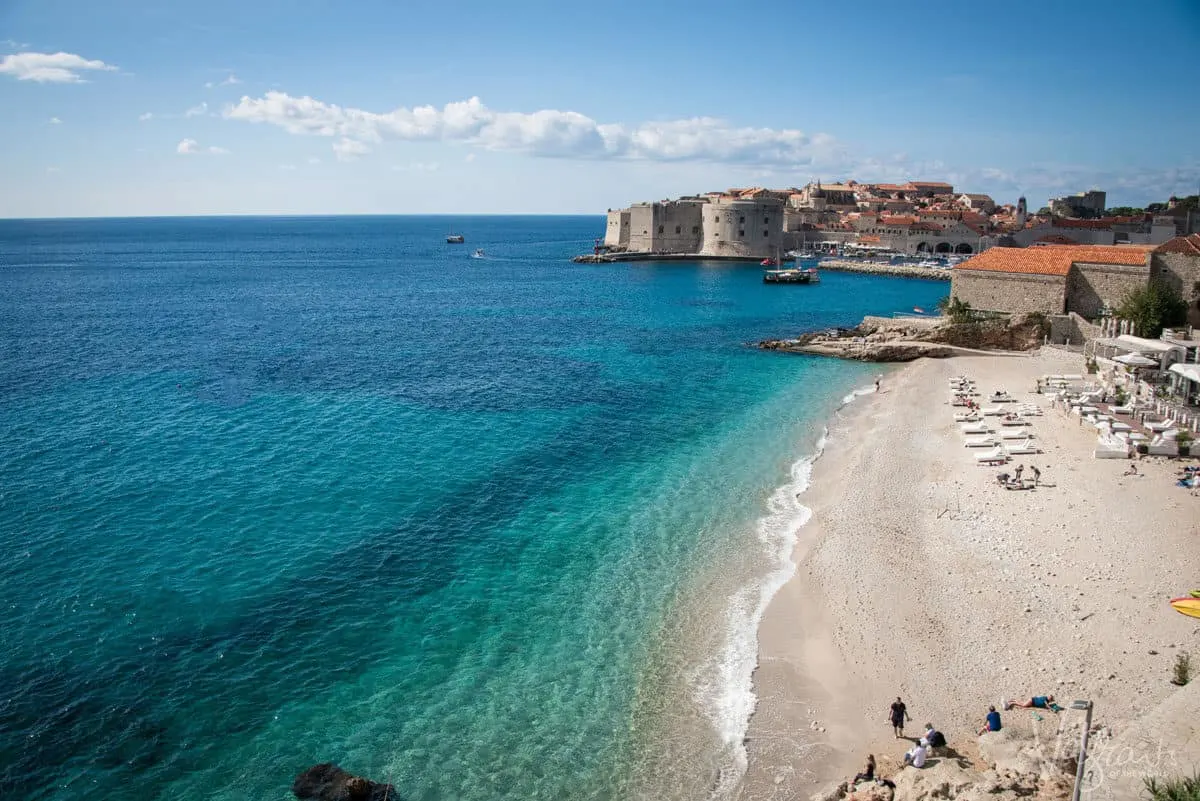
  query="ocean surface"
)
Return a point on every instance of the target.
[{"x": 280, "y": 491}]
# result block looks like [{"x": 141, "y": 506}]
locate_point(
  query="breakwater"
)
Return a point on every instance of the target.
[{"x": 899, "y": 270}]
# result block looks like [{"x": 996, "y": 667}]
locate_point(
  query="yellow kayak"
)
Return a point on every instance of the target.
[{"x": 1188, "y": 605}]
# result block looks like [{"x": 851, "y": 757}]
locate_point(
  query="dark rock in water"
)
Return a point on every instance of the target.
[{"x": 328, "y": 782}]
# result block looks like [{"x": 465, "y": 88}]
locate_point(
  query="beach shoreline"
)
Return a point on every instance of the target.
[{"x": 918, "y": 576}]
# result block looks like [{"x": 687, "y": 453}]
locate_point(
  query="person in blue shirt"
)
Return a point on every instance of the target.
[{"x": 993, "y": 721}]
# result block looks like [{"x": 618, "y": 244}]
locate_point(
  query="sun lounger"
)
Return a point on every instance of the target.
[
  {"x": 1119, "y": 426},
  {"x": 1023, "y": 447},
  {"x": 975, "y": 428},
  {"x": 1002, "y": 398},
  {"x": 1161, "y": 426},
  {"x": 992, "y": 410},
  {"x": 1015, "y": 433},
  {"x": 981, "y": 442},
  {"x": 1126, "y": 410},
  {"x": 966, "y": 417},
  {"x": 996, "y": 456},
  {"x": 1005, "y": 421}
]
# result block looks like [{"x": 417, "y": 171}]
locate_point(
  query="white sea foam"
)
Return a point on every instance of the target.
[{"x": 728, "y": 693}]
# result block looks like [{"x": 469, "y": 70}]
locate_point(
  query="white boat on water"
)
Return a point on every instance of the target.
[{"x": 478, "y": 254}]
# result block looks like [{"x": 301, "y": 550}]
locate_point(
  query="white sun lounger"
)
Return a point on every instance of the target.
[
  {"x": 1015, "y": 434},
  {"x": 996, "y": 456},
  {"x": 975, "y": 428},
  {"x": 993, "y": 410},
  {"x": 981, "y": 442},
  {"x": 1017, "y": 422},
  {"x": 1023, "y": 447},
  {"x": 966, "y": 417}
]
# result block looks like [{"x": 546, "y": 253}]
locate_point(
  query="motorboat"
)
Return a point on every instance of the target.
[
  {"x": 478, "y": 254},
  {"x": 455, "y": 239},
  {"x": 792, "y": 276}
]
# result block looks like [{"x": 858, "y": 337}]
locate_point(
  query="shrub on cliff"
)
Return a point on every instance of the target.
[
  {"x": 1152, "y": 308},
  {"x": 1182, "y": 789}
]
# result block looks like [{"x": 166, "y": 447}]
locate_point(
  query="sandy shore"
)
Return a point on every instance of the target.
[{"x": 919, "y": 576}]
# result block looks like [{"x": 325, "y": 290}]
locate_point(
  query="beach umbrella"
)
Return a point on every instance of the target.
[{"x": 1136, "y": 360}]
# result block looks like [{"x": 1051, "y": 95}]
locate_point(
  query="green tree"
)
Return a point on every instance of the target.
[
  {"x": 1152, "y": 308},
  {"x": 958, "y": 311},
  {"x": 1124, "y": 211}
]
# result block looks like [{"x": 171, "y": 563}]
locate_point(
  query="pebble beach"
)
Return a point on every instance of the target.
[{"x": 920, "y": 576}]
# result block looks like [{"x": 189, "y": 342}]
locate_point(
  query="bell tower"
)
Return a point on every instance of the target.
[{"x": 1022, "y": 212}]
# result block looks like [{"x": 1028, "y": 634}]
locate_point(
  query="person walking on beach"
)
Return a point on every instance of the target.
[
  {"x": 876, "y": 384},
  {"x": 898, "y": 714},
  {"x": 1037, "y": 474}
]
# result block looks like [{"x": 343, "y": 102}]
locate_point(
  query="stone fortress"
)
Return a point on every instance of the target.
[{"x": 914, "y": 218}]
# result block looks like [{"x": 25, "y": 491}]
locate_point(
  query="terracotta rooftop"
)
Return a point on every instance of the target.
[
  {"x": 1052, "y": 259},
  {"x": 897, "y": 220},
  {"x": 891, "y": 187},
  {"x": 1189, "y": 245},
  {"x": 931, "y": 184}
]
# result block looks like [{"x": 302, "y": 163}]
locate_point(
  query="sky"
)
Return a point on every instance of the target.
[{"x": 155, "y": 107}]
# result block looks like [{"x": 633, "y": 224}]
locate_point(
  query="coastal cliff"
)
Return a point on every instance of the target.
[{"x": 883, "y": 339}]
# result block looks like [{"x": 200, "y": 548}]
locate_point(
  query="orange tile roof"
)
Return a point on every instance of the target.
[
  {"x": 1052, "y": 259},
  {"x": 891, "y": 187},
  {"x": 868, "y": 238},
  {"x": 898, "y": 220},
  {"x": 932, "y": 184},
  {"x": 1189, "y": 245}
]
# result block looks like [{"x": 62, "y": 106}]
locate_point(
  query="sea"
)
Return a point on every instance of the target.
[{"x": 283, "y": 491}]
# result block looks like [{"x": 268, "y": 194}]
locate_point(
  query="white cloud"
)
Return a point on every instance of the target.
[
  {"x": 232, "y": 80},
  {"x": 49, "y": 67},
  {"x": 190, "y": 147},
  {"x": 288, "y": 167},
  {"x": 196, "y": 111},
  {"x": 149, "y": 115},
  {"x": 55, "y": 121},
  {"x": 469, "y": 158},
  {"x": 349, "y": 149},
  {"x": 313, "y": 160},
  {"x": 565, "y": 134}
]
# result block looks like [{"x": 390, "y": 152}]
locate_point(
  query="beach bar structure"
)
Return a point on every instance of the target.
[{"x": 1162, "y": 352}]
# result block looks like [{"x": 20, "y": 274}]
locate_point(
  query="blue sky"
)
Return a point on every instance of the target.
[{"x": 133, "y": 107}]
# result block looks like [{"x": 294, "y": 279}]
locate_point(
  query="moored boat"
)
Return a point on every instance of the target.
[
  {"x": 792, "y": 276},
  {"x": 455, "y": 239}
]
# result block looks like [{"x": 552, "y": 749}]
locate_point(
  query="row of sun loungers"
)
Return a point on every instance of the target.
[{"x": 994, "y": 433}]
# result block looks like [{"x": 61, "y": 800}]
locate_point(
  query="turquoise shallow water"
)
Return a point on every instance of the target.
[{"x": 282, "y": 491}]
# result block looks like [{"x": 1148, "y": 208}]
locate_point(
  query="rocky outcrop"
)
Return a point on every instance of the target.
[
  {"x": 881, "y": 339},
  {"x": 1016, "y": 768},
  {"x": 328, "y": 782}
]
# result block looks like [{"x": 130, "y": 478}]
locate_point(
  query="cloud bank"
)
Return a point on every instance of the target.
[
  {"x": 549, "y": 133},
  {"x": 49, "y": 67}
]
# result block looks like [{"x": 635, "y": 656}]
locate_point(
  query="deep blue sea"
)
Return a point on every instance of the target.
[{"x": 280, "y": 491}]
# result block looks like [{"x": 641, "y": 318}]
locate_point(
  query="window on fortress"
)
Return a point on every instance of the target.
[
  {"x": 741, "y": 233},
  {"x": 766, "y": 234},
  {"x": 717, "y": 219},
  {"x": 660, "y": 229},
  {"x": 741, "y": 219},
  {"x": 766, "y": 220},
  {"x": 695, "y": 229},
  {"x": 679, "y": 229}
]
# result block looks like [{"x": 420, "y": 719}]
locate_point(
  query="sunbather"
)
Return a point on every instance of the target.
[
  {"x": 867, "y": 775},
  {"x": 1132, "y": 471},
  {"x": 1036, "y": 702}
]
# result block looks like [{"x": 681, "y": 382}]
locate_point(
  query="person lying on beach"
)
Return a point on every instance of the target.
[
  {"x": 867, "y": 775},
  {"x": 992, "y": 722},
  {"x": 915, "y": 756},
  {"x": 1036, "y": 702},
  {"x": 1132, "y": 471}
]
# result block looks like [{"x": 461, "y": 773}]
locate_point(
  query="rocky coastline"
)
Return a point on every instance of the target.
[{"x": 883, "y": 339}]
